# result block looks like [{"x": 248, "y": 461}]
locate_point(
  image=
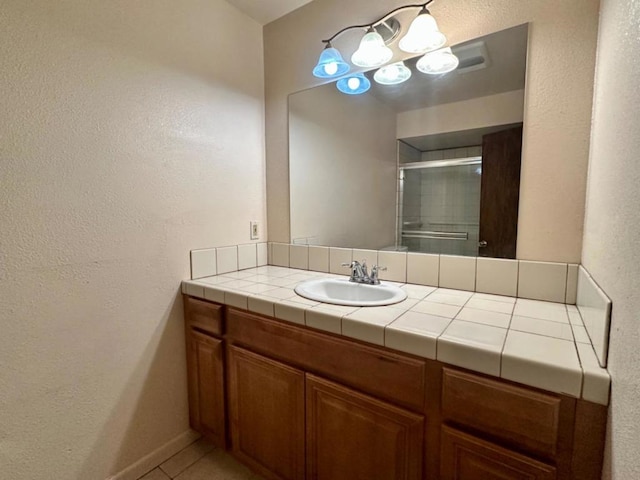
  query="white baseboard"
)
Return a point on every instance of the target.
[{"x": 158, "y": 456}]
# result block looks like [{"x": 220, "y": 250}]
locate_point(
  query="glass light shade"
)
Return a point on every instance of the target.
[
  {"x": 392, "y": 74},
  {"x": 423, "y": 35},
  {"x": 372, "y": 51},
  {"x": 330, "y": 64},
  {"x": 354, "y": 84},
  {"x": 438, "y": 62}
]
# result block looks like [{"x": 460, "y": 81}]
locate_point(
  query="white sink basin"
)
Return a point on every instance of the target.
[{"x": 344, "y": 292}]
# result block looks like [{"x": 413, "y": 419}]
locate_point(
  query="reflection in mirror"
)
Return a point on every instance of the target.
[{"x": 430, "y": 165}]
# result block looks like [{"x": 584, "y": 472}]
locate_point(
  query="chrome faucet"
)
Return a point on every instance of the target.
[
  {"x": 359, "y": 273},
  {"x": 374, "y": 274}
]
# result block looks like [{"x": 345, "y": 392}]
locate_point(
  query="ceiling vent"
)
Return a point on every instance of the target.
[{"x": 473, "y": 56}]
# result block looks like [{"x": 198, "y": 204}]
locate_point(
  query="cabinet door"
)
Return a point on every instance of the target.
[
  {"x": 465, "y": 457},
  {"x": 206, "y": 386},
  {"x": 266, "y": 403},
  {"x": 352, "y": 436}
]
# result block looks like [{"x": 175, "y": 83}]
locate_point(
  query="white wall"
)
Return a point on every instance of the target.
[
  {"x": 130, "y": 133},
  {"x": 611, "y": 250},
  {"x": 343, "y": 169},
  {"x": 558, "y": 95},
  {"x": 501, "y": 109}
]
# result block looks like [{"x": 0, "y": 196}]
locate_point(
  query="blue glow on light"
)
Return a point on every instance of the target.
[
  {"x": 330, "y": 64},
  {"x": 354, "y": 84}
]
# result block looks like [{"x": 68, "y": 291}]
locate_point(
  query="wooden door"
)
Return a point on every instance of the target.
[
  {"x": 351, "y": 436},
  {"x": 465, "y": 457},
  {"x": 500, "y": 193},
  {"x": 266, "y": 406},
  {"x": 206, "y": 386}
]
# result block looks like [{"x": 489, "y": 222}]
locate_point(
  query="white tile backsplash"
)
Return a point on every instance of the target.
[
  {"x": 299, "y": 257},
  {"x": 319, "y": 259},
  {"x": 370, "y": 256},
  {"x": 280, "y": 254},
  {"x": 542, "y": 281},
  {"x": 497, "y": 276},
  {"x": 423, "y": 269},
  {"x": 263, "y": 254},
  {"x": 546, "y": 281},
  {"x": 247, "y": 256},
  {"x": 395, "y": 264},
  {"x": 572, "y": 284},
  {"x": 338, "y": 256},
  {"x": 203, "y": 263},
  {"x": 227, "y": 259},
  {"x": 595, "y": 310},
  {"x": 457, "y": 272}
]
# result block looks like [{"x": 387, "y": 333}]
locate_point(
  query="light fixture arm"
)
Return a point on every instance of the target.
[{"x": 379, "y": 21}]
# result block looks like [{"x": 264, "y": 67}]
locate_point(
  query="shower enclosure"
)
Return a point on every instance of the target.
[{"x": 439, "y": 200}]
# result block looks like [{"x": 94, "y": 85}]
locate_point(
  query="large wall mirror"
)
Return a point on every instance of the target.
[{"x": 429, "y": 165}]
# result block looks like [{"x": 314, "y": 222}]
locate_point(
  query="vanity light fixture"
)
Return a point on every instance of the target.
[
  {"x": 372, "y": 51},
  {"x": 438, "y": 62},
  {"x": 354, "y": 84},
  {"x": 392, "y": 74},
  {"x": 423, "y": 36},
  {"x": 330, "y": 64}
]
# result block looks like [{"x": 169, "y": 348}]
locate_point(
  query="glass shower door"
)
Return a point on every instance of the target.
[{"x": 439, "y": 206}]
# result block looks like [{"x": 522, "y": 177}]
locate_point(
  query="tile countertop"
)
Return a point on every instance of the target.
[{"x": 535, "y": 343}]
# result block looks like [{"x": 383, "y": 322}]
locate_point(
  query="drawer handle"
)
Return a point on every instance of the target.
[{"x": 386, "y": 359}]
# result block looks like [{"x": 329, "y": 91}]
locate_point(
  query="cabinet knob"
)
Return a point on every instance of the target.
[{"x": 482, "y": 243}]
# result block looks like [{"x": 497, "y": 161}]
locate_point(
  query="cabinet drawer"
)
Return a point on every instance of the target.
[
  {"x": 203, "y": 315},
  {"x": 465, "y": 457},
  {"x": 519, "y": 416},
  {"x": 387, "y": 375}
]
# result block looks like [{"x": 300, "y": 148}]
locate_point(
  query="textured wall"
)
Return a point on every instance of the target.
[
  {"x": 612, "y": 228},
  {"x": 130, "y": 133},
  {"x": 343, "y": 169},
  {"x": 558, "y": 94}
]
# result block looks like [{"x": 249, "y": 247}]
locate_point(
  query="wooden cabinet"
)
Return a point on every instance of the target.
[
  {"x": 465, "y": 457},
  {"x": 266, "y": 406},
  {"x": 206, "y": 386},
  {"x": 303, "y": 404},
  {"x": 353, "y": 436},
  {"x": 205, "y": 369}
]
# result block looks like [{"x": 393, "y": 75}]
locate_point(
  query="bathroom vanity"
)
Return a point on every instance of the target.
[{"x": 293, "y": 402}]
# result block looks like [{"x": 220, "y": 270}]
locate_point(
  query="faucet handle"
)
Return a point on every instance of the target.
[
  {"x": 348, "y": 264},
  {"x": 374, "y": 274}
]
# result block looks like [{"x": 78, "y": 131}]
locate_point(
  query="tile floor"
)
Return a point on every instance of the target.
[{"x": 201, "y": 461}]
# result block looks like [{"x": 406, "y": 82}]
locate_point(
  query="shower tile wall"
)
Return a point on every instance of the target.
[{"x": 443, "y": 199}]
